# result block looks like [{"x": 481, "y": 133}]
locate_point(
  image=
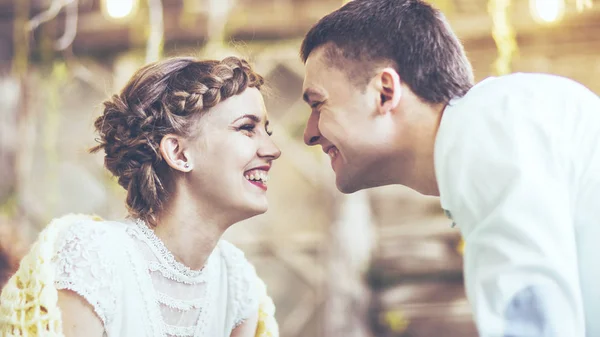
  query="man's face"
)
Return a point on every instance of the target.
[{"x": 345, "y": 121}]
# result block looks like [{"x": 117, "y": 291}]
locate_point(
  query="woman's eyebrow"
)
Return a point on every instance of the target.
[{"x": 254, "y": 118}]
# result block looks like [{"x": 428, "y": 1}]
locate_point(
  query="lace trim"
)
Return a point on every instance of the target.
[
  {"x": 99, "y": 309},
  {"x": 181, "y": 305},
  {"x": 157, "y": 266},
  {"x": 239, "y": 322},
  {"x": 161, "y": 251},
  {"x": 179, "y": 331},
  {"x": 170, "y": 268},
  {"x": 165, "y": 253}
]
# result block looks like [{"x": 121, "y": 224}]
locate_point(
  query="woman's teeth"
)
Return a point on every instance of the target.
[{"x": 257, "y": 175}]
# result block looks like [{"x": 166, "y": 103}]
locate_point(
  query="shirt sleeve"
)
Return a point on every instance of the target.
[
  {"x": 505, "y": 179},
  {"x": 82, "y": 264}
]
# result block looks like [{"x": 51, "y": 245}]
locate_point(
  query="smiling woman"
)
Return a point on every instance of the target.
[{"x": 188, "y": 140}]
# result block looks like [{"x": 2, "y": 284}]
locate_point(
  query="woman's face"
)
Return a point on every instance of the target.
[{"x": 232, "y": 155}]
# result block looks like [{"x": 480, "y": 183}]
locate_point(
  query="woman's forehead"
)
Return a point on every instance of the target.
[{"x": 250, "y": 102}]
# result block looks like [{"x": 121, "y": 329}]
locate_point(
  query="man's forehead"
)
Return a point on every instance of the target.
[
  {"x": 317, "y": 74},
  {"x": 317, "y": 60}
]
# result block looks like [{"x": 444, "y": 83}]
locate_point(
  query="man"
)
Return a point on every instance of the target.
[{"x": 514, "y": 159}]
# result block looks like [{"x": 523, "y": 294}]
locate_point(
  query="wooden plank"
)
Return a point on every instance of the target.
[
  {"x": 433, "y": 327},
  {"x": 422, "y": 293},
  {"x": 427, "y": 309},
  {"x": 400, "y": 211},
  {"x": 416, "y": 258},
  {"x": 97, "y": 34}
]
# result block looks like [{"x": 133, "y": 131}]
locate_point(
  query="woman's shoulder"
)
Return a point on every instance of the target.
[
  {"x": 235, "y": 259},
  {"x": 81, "y": 241},
  {"x": 77, "y": 252},
  {"x": 89, "y": 260},
  {"x": 86, "y": 223},
  {"x": 229, "y": 251},
  {"x": 242, "y": 281},
  {"x": 80, "y": 229},
  {"x": 241, "y": 272}
]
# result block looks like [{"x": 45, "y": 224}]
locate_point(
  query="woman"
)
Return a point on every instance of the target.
[{"x": 189, "y": 141}]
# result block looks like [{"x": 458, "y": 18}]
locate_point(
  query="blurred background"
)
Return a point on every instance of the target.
[{"x": 382, "y": 262}]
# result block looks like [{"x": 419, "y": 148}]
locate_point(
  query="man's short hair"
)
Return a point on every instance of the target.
[{"x": 409, "y": 35}]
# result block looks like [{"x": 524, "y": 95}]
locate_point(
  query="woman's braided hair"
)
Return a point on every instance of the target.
[{"x": 164, "y": 97}]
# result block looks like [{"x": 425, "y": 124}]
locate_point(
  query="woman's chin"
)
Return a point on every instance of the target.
[
  {"x": 250, "y": 210},
  {"x": 259, "y": 208}
]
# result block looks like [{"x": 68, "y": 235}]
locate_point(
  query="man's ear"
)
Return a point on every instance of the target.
[
  {"x": 172, "y": 149},
  {"x": 390, "y": 90}
]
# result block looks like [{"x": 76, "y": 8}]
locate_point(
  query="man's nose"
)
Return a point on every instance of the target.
[{"x": 311, "y": 132}]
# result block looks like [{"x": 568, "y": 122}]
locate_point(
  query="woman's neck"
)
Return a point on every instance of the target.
[{"x": 189, "y": 232}]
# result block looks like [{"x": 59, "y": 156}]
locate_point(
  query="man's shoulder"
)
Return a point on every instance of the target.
[
  {"x": 498, "y": 102},
  {"x": 521, "y": 86}
]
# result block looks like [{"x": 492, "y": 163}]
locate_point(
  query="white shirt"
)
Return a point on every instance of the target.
[
  {"x": 517, "y": 161},
  {"x": 137, "y": 288}
]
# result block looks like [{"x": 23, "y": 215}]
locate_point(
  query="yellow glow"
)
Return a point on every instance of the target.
[
  {"x": 220, "y": 8},
  {"x": 547, "y": 11},
  {"x": 396, "y": 320},
  {"x": 118, "y": 9},
  {"x": 583, "y": 4}
]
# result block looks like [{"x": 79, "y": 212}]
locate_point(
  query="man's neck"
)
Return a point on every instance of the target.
[{"x": 421, "y": 174}]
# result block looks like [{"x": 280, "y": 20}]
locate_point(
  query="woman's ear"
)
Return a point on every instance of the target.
[
  {"x": 172, "y": 149},
  {"x": 390, "y": 90}
]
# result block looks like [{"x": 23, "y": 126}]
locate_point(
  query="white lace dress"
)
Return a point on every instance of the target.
[{"x": 137, "y": 288}]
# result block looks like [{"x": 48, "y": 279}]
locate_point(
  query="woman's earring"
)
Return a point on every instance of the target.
[{"x": 186, "y": 165}]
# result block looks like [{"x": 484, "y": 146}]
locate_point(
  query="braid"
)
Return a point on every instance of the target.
[
  {"x": 227, "y": 78},
  {"x": 161, "y": 98}
]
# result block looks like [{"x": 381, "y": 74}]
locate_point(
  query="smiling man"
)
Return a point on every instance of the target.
[{"x": 514, "y": 159}]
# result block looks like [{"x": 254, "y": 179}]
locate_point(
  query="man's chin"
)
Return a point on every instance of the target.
[{"x": 347, "y": 186}]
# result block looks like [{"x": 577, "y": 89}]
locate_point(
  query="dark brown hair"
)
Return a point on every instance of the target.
[
  {"x": 162, "y": 98},
  {"x": 410, "y": 34}
]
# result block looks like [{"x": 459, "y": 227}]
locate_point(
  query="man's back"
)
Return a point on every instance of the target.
[{"x": 518, "y": 166}]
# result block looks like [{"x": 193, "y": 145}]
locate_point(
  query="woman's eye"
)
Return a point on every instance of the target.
[{"x": 249, "y": 128}]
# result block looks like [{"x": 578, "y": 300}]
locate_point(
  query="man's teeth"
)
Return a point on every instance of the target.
[
  {"x": 257, "y": 175},
  {"x": 332, "y": 152}
]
